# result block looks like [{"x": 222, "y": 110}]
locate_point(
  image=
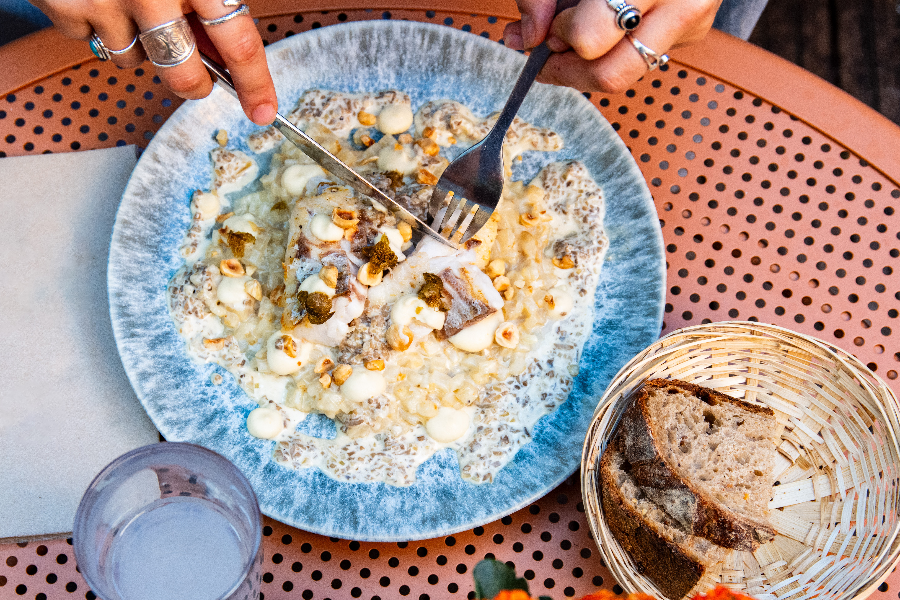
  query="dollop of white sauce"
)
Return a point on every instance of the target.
[
  {"x": 231, "y": 292},
  {"x": 206, "y": 205},
  {"x": 278, "y": 360},
  {"x": 448, "y": 425},
  {"x": 401, "y": 160},
  {"x": 395, "y": 241},
  {"x": 324, "y": 229},
  {"x": 242, "y": 224},
  {"x": 363, "y": 384},
  {"x": 394, "y": 118},
  {"x": 265, "y": 423},
  {"x": 479, "y": 336},
  {"x": 412, "y": 307},
  {"x": 314, "y": 283},
  {"x": 295, "y": 178},
  {"x": 563, "y": 302}
]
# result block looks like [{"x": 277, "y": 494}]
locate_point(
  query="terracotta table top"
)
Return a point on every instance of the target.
[{"x": 778, "y": 200}]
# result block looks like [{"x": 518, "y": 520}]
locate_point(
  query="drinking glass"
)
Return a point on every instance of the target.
[{"x": 170, "y": 520}]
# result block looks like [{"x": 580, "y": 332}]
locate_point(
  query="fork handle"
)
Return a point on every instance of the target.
[{"x": 536, "y": 61}]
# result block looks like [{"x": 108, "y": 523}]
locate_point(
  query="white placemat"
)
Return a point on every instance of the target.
[{"x": 66, "y": 406}]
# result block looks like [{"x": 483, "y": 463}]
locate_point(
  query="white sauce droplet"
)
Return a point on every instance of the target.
[
  {"x": 231, "y": 292},
  {"x": 401, "y": 160},
  {"x": 295, "y": 178},
  {"x": 394, "y": 118},
  {"x": 324, "y": 228},
  {"x": 448, "y": 425},
  {"x": 265, "y": 423},
  {"x": 206, "y": 205},
  {"x": 242, "y": 224},
  {"x": 278, "y": 360},
  {"x": 412, "y": 307},
  {"x": 314, "y": 283},
  {"x": 363, "y": 384},
  {"x": 479, "y": 336}
]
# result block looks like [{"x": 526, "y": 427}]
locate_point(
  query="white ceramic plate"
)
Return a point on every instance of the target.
[{"x": 427, "y": 62}]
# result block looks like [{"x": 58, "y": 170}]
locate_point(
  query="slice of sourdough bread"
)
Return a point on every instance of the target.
[
  {"x": 674, "y": 560},
  {"x": 707, "y": 459}
]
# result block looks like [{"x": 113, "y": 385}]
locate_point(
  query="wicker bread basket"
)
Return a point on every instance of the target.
[{"x": 836, "y": 499}]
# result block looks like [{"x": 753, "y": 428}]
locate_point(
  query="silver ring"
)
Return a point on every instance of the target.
[
  {"x": 650, "y": 57},
  {"x": 124, "y": 50},
  {"x": 98, "y": 48},
  {"x": 243, "y": 9},
  {"x": 169, "y": 44},
  {"x": 628, "y": 17}
]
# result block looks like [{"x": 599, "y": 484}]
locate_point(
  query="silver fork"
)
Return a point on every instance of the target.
[{"x": 470, "y": 187}]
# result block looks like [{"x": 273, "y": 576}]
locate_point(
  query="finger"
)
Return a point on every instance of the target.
[
  {"x": 189, "y": 79},
  {"x": 590, "y": 28},
  {"x": 536, "y": 18},
  {"x": 68, "y": 18},
  {"x": 241, "y": 47},
  {"x": 619, "y": 68},
  {"x": 119, "y": 33},
  {"x": 512, "y": 36}
]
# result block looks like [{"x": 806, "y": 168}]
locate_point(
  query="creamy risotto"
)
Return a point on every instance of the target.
[{"x": 316, "y": 301}]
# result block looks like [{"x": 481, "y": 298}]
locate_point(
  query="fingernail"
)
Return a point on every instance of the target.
[
  {"x": 556, "y": 44},
  {"x": 528, "y": 33},
  {"x": 263, "y": 114},
  {"x": 513, "y": 41}
]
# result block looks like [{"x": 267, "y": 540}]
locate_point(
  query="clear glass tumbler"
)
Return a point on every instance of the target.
[{"x": 170, "y": 520}]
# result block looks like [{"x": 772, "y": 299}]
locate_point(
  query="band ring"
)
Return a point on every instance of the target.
[
  {"x": 243, "y": 9},
  {"x": 650, "y": 57},
  {"x": 628, "y": 17},
  {"x": 124, "y": 50},
  {"x": 169, "y": 44}
]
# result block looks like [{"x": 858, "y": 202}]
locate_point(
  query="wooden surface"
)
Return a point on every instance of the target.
[{"x": 851, "y": 44}]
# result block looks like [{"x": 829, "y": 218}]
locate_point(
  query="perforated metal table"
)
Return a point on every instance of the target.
[{"x": 778, "y": 200}]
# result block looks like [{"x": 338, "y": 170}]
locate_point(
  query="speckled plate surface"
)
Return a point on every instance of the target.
[{"x": 428, "y": 62}]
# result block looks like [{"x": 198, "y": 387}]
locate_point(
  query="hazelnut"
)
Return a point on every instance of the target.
[
  {"x": 509, "y": 294},
  {"x": 277, "y": 296},
  {"x": 231, "y": 267},
  {"x": 425, "y": 177},
  {"x": 323, "y": 365},
  {"x": 375, "y": 365},
  {"x": 366, "y": 141},
  {"x": 565, "y": 262},
  {"x": 366, "y": 119},
  {"x": 325, "y": 380},
  {"x": 405, "y": 138},
  {"x": 345, "y": 218},
  {"x": 399, "y": 338},
  {"x": 405, "y": 230},
  {"x": 253, "y": 289},
  {"x": 341, "y": 373},
  {"x": 329, "y": 274},
  {"x": 287, "y": 345},
  {"x": 529, "y": 219},
  {"x": 501, "y": 283},
  {"x": 507, "y": 335},
  {"x": 428, "y": 146},
  {"x": 496, "y": 268},
  {"x": 366, "y": 277},
  {"x": 428, "y": 132},
  {"x": 222, "y": 137},
  {"x": 214, "y": 344},
  {"x": 224, "y": 217}
]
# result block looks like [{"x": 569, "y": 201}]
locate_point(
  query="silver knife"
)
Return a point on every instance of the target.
[{"x": 329, "y": 161}]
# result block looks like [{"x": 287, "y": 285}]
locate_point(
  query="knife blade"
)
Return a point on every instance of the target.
[{"x": 329, "y": 161}]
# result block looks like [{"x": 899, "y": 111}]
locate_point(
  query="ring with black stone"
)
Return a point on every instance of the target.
[{"x": 628, "y": 17}]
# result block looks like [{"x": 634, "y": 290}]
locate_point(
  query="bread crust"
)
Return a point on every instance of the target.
[
  {"x": 673, "y": 571},
  {"x": 704, "y": 516}
]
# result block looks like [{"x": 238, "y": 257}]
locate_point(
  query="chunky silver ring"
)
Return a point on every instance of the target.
[
  {"x": 169, "y": 44},
  {"x": 628, "y": 17},
  {"x": 243, "y": 9},
  {"x": 650, "y": 57},
  {"x": 98, "y": 47}
]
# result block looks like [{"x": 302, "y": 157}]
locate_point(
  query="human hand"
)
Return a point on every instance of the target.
[
  {"x": 118, "y": 22},
  {"x": 591, "y": 52}
]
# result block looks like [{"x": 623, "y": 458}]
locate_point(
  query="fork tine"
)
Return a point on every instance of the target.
[
  {"x": 454, "y": 210},
  {"x": 470, "y": 214},
  {"x": 481, "y": 217}
]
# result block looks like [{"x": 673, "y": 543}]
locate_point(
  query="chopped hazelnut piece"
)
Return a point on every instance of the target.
[
  {"x": 329, "y": 275},
  {"x": 287, "y": 344},
  {"x": 565, "y": 262},
  {"x": 399, "y": 338},
  {"x": 428, "y": 146},
  {"x": 507, "y": 335},
  {"x": 365, "y": 118},
  {"x": 375, "y": 365},
  {"x": 405, "y": 138},
  {"x": 501, "y": 283},
  {"x": 345, "y": 218},
  {"x": 231, "y": 267},
  {"x": 323, "y": 365},
  {"x": 496, "y": 268},
  {"x": 254, "y": 289},
  {"x": 325, "y": 380},
  {"x": 428, "y": 132},
  {"x": 214, "y": 344},
  {"x": 405, "y": 230},
  {"x": 341, "y": 373}
]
